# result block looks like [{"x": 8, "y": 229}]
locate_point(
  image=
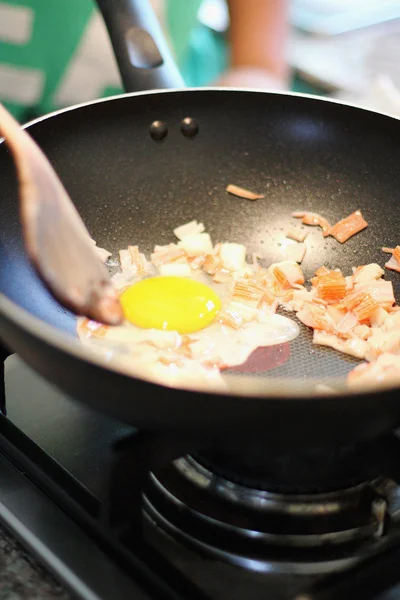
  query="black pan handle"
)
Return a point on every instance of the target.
[{"x": 144, "y": 59}]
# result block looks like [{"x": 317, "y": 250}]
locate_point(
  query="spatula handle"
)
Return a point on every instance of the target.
[{"x": 144, "y": 59}]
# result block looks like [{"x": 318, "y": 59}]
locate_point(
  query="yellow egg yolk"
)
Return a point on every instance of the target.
[{"x": 170, "y": 303}]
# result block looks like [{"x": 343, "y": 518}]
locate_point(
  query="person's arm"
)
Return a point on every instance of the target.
[{"x": 258, "y": 37}]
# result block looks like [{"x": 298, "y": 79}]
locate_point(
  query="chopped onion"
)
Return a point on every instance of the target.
[
  {"x": 378, "y": 317},
  {"x": 295, "y": 252},
  {"x": 367, "y": 273},
  {"x": 197, "y": 244},
  {"x": 175, "y": 269},
  {"x": 191, "y": 228},
  {"x": 233, "y": 256}
]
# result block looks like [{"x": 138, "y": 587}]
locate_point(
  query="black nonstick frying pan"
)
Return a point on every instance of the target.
[{"x": 133, "y": 181}]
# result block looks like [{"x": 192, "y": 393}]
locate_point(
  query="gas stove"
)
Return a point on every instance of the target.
[{"x": 117, "y": 513}]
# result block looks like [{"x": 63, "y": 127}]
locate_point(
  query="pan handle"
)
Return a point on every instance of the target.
[{"x": 144, "y": 59}]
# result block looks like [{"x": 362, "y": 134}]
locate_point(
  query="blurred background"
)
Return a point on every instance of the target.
[{"x": 54, "y": 53}]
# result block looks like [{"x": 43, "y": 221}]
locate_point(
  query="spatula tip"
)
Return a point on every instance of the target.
[{"x": 107, "y": 309}]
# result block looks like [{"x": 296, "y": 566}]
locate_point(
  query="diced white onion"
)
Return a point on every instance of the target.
[
  {"x": 174, "y": 269},
  {"x": 196, "y": 245},
  {"x": 191, "y": 228},
  {"x": 233, "y": 256}
]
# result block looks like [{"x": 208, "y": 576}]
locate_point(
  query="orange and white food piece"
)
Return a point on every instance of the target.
[
  {"x": 341, "y": 231},
  {"x": 235, "y": 190},
  {"x": 393, "y": 263},
  {"x": 309, "y": 218},
  {"x": 133, "y": 261},
  {"x": 346, "y": 228},
  {"x": 297, "y": 235}
]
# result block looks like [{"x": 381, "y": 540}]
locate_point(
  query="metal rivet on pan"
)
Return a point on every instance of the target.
[
  {"x": 158, "y": 130},
  {"x": 189, "y": 127}
]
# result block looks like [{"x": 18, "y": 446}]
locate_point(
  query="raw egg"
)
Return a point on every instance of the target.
[{"x": 170, "y": 304}]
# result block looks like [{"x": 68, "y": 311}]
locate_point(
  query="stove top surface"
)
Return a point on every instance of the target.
[{"x": 54, "y": 470}]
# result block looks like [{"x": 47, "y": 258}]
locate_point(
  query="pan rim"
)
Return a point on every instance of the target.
[
  {"x": 224, "y": 90},
  {"x": 244, "y": 385}
]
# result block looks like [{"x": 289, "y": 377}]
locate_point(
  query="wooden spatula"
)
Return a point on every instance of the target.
[{"x": 56, "y": 238}]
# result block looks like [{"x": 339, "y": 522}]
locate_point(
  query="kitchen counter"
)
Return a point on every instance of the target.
[{"x": 21, "y": 577}]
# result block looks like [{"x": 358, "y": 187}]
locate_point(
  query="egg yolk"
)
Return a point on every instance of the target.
[{"x": 170, "y": 303}]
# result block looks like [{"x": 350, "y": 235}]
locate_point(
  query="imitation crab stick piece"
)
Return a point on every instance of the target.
[
  {"x": 248, "y": 289},
  {"x": 346, "y": 228},
  {"x": 296, "y": 235},
  {"x": 222, "y": 276},
  {"x": 331, "y": 286},
  {"x": 316, "y": 317},
  {"x": 385, "y": 369},
  {"x": 349, "y": 283},
  {"x": 383, "y": 341},
  {"x": 138, "y": 259},
  {"x": 131, "y": 259},
  {"x": 167, "y": 254},
  {"x": 304, "y": 295},
  {"x": 392, "y": 321},
  {"x": 184, "y": 346},
  {"x": 212, "y": 264},
  {"x": 281, "y": 278},
  {"x": 230, "y": 319},
  {"x": 321, "y": 271},
  {"x": 197, "y": 262},
  {"x": 378, "y": 317},
  {"x": 235, "y": 315},
  {"x": 309, "y": 218},
  {"x": 354, "y": 346},
  {"x": 394, "y": 262},
  {"x": 287, "y": 273},
  {"x": 351, "y": 300},
  {"x": 336, "y": 313},
  {"x": 362, "y": 331},
  {"x": 381, "y": 290},
  {"x": 318, "y": 273},
  {"x": 269, "y": 300},
  {"x": 347, "y": 323},
  {"x": 87, "y": 328},
  {"x": 235, "y": 190},
  {"x": 365, "y": 308}
]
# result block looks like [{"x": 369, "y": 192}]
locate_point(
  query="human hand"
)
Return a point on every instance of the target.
[{"x": 251, "y": 77}]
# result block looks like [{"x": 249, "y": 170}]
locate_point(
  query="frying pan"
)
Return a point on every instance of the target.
[{"x": 134, "y": 182}]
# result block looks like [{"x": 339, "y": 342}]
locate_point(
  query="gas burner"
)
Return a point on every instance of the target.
[
  {"x": 267, "y": 531},
  {"x": 307, "y": 470}
]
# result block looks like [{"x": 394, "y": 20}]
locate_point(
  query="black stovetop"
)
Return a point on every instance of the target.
[{"x": 54, "y": 476}]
